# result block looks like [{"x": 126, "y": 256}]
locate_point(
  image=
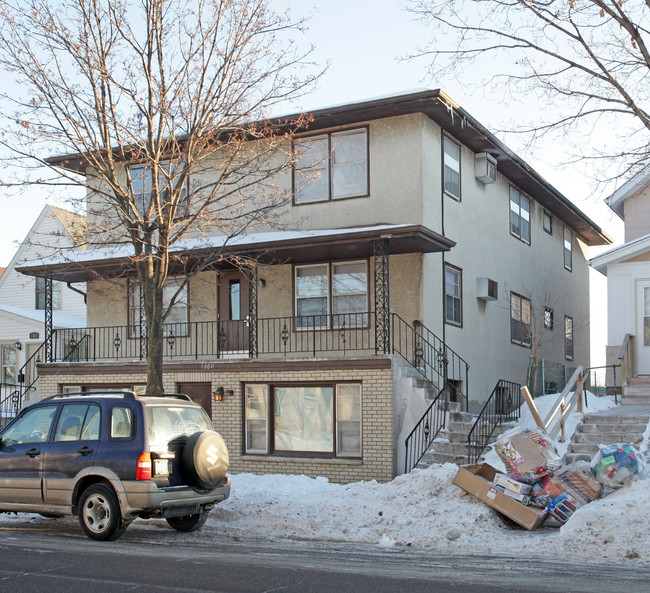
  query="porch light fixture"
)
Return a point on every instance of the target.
[
  {"x": 220, "y": 392},
  {"x": 18, "y": 346}
]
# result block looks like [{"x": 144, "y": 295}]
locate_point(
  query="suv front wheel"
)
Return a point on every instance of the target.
[{"x": 99, "y": 513}]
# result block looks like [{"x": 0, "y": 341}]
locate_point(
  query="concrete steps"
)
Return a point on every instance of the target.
[
  {"x": 613, "y": 426},
  {"x": 636, "y": 392}
]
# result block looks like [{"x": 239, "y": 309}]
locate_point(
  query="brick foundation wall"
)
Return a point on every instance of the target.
[{"x": 378, "y": 460}]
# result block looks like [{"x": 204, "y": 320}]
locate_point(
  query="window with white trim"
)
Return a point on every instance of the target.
[
  {"x": 568, "y": 337},
  {"x": 176, "y": 320},
  {"x": 309, "y": 420},
  {"x": 331, "y": 166},
  {"x": 453, "y": 295},
  {"x": 568, "y": 249},
  {"x": 331, "y": 295},
  {"x": 520, "y": 320},
  {"x": 9, "y": 360},
  {"x": 451, "y": 168},
  {"x": 141, "y": 178},
  {"x": 519, "y": 215}
]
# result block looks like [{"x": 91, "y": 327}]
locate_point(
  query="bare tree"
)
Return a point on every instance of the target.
[
  {"x": 587, "y": 61},
  {"x": 158, "y": 108}
]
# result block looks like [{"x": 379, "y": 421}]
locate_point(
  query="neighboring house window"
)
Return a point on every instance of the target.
[
  {"x": 548, "y": 318},
  {"x": 519, "y": 215},
  {"x": 568, "y": 249},
  {"x": 453, "y": 295},
  {"x": 520, "y": 320},
  {"x": 142, "y": 182},
  {"x": 40, "y": 294},
  {"x": 9, "y": 364},
  {"x": 451, "y": 168},
  {"x": 176, "y": 320},
  {"x": 568, "y": 338},
  {"x": 547, "y": 223},
  {"x": 331, "y": 167},
  {"x": 307, "y": 420},
  {"x": 331, "y": 295}
]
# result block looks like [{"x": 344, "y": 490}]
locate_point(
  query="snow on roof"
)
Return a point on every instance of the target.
[
  {"x": 214, "y": 242},
  {"x": 58, "y": 319}
]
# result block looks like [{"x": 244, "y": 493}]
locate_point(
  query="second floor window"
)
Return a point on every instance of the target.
[
  {"x": 331, "y": 167},
  {"x": 453, "y": 295},
  {"x": 39, "y": 293},
  {"x": 176, "y": 320},
  {"x": 451, "y": 168},
  {"x": 519, "y": 215},
  {"x": 568, "y": 249},
  {"x": 520, "y": 320},
  {"x": 331, "y": 295},
  {"x": 141, "y": 177}
]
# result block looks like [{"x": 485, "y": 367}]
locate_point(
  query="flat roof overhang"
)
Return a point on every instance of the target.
[{"x": 330, "y": 245}]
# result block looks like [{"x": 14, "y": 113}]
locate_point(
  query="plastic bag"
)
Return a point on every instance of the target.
[
  {"x": 616, "y": 465},
  {"x": 528, "y": 454}
]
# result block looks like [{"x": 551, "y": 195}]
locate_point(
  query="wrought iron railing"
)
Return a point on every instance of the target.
[
  {"x": 419, "y": 440},
  {"x": 9, "y": 402},
  {"x": 432, "y": 358},
  {"x": 502, "y": 406}
]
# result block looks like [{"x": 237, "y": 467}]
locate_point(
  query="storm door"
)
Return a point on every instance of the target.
[{"x": 233, "y": 312}]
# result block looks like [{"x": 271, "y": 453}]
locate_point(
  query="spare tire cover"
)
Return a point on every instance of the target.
[{"x": 205, "y": 459}]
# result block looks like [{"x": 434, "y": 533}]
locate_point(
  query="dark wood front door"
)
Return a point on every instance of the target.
[
  {"x": 233, "y": 312},
  {"x": 201, "y": 393}
]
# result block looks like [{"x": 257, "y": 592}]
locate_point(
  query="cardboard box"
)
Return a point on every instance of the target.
[
  {"x": 503, "y": 480},
  {"x": 478, "y": 480}
]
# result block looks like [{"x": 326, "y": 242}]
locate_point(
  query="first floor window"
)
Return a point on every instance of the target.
[
  {"x": 520, "y": 320},
  {"x": 39, "y": 293},
  {"x": 176, "y": 320},
  {"x": 331, "y": 295},
  {"x": 304, "y": 420},
  {"x": 9, "y": 375},
  {"x": 453, "y": 295},
  {"x": 548, "y": 318},
  {"x": 568, "y": 338},
  {"x": 519, "y": 215}
]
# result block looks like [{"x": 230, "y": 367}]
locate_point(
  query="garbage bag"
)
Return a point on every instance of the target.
[{"x": 529, "y": 454}]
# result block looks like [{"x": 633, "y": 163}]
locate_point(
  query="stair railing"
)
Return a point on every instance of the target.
[
  {"x": 28, "y": 373},
  {"x": 419, "y": 440},
  {"x": 502, "y": 406},
  {"x": 9, "y": 403}
]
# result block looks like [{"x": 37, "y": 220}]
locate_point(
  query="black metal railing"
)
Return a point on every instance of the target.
[
  {"x": 503, "y": 405},
  {"x": 9, "y": 402},
  {"x": 432, "y": 358},
  {"x": 419, "y": 440}
]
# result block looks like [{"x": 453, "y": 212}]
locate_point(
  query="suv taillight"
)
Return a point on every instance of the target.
[{"x": 143, "y": 470}]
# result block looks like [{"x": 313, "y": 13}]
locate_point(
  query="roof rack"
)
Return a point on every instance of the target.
[
  {"x": 124, "y": 394},
  {"x": 174, "y": 395}
]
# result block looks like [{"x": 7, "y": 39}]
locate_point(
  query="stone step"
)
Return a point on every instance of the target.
[
  {"x": 614, "y": 419},
  {"x": 635, "y": 400},
  {"x": 602, "y": 428},
  {"x": 643, "y": 389},
  {"x": 587, "y": 448},
  {"x": 573, "y": 457},
  {"x": 460, "y": 427},
  {"x": 608, "y": 437},
  {"x": 431, "y": 458},
  {"x": 449, "y": 448},
  {"x": 462, "y": 417}
]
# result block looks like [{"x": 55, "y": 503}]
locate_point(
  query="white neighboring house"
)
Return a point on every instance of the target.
[
  {"x": 627, "y": 268},
  {"x": 22, "y": 298}
]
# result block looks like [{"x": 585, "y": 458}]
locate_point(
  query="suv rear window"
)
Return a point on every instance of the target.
[{"x": 171, "y": 422}]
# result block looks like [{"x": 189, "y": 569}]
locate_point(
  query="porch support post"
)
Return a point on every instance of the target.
[
  {"x": 252, "y": 312},
  {"x": 49, "y": 329},
  {"x": 382, "y": 300},
  {"x": 144, "y": 345}
]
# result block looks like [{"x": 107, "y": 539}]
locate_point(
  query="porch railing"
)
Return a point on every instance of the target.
[
  {"x": 9, "y": 402},
  {"x": 502, "y": 406},
  {"x": 433, "y": 359}
]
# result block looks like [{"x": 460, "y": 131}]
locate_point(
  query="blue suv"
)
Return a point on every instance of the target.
[{"x": 112, "y": 457}]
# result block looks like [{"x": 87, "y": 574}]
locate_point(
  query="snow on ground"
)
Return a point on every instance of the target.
[{"x": 425, "y": 509}]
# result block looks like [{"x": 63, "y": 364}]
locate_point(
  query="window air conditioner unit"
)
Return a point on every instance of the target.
[
  {"x": 487, "y": 289},
  {"x": 485, "y": 167}
]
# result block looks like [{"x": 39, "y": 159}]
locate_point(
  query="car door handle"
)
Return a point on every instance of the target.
[
  {"x": 33, "y": 452},
  {"x": 85, "y": 450}
]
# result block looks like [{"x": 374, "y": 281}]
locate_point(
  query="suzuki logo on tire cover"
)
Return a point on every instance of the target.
[{"x": 212, "y": 454}]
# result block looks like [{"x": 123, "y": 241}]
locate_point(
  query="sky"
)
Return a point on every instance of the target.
[
  {"x": 439, "y": 514},
  {"x": 362, "y": 41}
]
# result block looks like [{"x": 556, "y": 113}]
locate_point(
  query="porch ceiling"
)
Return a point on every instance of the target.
[{"x": 268, "y": 248}]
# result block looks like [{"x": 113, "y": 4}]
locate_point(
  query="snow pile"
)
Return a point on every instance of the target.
[{"x": 425, "y": 509}]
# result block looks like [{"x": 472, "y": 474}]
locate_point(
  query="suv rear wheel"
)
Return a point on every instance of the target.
[
  {"x": 99, "y": 513},
  {"x": 188, "y": 522}
]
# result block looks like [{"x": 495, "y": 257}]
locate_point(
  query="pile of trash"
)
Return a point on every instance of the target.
[{"x": 535, "y": 477}]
